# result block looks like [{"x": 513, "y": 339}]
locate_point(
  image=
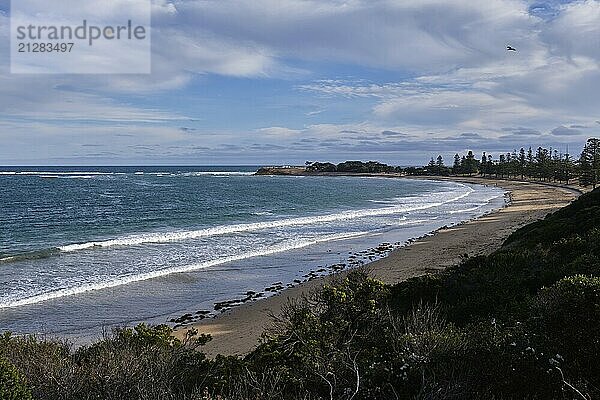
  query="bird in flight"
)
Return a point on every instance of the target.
[{"x": 510, "y": 48}]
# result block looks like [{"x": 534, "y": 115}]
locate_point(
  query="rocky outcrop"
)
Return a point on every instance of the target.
[{"x": 281, "y": 171}]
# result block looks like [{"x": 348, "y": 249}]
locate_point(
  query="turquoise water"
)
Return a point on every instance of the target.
[{"x": 82, "y": 248}]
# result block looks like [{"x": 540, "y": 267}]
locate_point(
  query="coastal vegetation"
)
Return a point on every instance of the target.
[
  {"x": 521, "y": 323},
  {"x": 370, "y": 167},
  {"x": 541, "y": 164}
]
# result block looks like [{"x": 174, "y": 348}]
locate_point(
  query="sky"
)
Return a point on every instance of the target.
[{"x": 256, "y": 82}]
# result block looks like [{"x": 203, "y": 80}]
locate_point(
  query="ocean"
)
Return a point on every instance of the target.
[{"x": 85, "y": 249}]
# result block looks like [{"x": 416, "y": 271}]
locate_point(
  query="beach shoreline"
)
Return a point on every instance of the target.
[{"x": 238, "y": 331}]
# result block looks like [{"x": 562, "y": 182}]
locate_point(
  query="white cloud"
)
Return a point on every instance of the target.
[
  {"x": 574, "y": 33},
  {"x": 424, "y": 35},
  {"x": 278, "y": 131},
  {"x": 553, "y": 79}
]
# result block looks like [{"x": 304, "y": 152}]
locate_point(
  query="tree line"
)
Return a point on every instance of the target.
[
  {"x": 357, "y": 167},
  {"x": 543, "y": 164}
]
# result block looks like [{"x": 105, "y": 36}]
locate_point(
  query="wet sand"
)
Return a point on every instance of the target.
[{"x": 238, "y": 330}]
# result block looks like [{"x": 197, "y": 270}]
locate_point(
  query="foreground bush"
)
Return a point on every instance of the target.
[
  {"x": 565, "y": 320},
  {"x": 140, "y": 363},
  {"x": 12, "y": 386}
]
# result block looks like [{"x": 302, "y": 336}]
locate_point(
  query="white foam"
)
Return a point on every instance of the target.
[
  {"x": 197, "y": 173},
  {"x": 292, "y": 245},
  {"x": 66, "y": 173},
  {"x": 465, "y": 210},
  {"x": 218, "y": 173},
  {"x": 229, "y": 229},
  {"x": 415, "y": 221}
]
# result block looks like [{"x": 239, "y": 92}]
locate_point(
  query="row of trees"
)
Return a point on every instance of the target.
[
  {"x": 542, "y": 164},
  {"x": 357, "y": 167}
]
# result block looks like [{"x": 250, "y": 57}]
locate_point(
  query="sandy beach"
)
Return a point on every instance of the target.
[{"x": 239, "y": 330}]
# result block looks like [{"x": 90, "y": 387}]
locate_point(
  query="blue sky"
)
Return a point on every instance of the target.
[{"x": 284, "y": 81}]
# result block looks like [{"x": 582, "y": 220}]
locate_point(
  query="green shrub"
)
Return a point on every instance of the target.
[
  {"x": 565, "y": 319},
  {"x": 46, "y": 364},
  {"x": 145, "y": 362},
  {"x": 12, "y": 387}
]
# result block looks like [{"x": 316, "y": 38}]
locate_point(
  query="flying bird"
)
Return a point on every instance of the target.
[{"x": 510, "y": 48}]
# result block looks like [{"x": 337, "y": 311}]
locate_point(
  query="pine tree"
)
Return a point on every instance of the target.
[
  {"x": 514, "y": 164},
  {"x": 431, "y": 168},
  {"x": 501, "y": 165},
  {"x": 542, "y": 164},
  {"x": 471, "y": 163},
  {"x": 522, "y": 162},
  {"x": 567, "y": 167},
  {"x": 589, "y": 163},
  {"x": 556, "y": 165},
  {"x": 483, "y": 164},
  {"x": 456, "y": 165},
  {"x": 440, "y": 162},
  {"x": 530, "y": 165}
]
